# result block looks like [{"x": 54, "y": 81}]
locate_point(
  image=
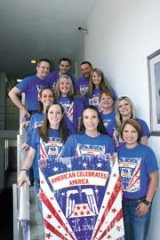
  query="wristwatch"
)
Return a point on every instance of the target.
[{"x": 147, "y": 203}]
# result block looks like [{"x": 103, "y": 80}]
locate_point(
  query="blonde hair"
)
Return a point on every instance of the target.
[
  {"x": 118, "y": 116},
  {"x": 57, "y": 90}
]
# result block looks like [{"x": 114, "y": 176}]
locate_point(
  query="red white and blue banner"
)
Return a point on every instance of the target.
[{"x": 82, "y": 198}]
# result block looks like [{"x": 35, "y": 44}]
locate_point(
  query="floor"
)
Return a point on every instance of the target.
[
  {"x": 6, "y": 215},
  {"x": 6, "y": 209}
]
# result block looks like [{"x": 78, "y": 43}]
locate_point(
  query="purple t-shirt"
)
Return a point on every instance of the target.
[
  {"x": 53, "y": 77},
  {"x": 73, "y": 110},
  {"x": 31, "y": 86},
  {"x": 82, "y": 86}
]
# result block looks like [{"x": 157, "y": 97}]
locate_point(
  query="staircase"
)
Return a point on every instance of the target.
[{"x": 36, "y": 222}]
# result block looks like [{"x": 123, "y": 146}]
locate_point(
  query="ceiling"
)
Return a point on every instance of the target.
[{"x": 35, "y": 29}]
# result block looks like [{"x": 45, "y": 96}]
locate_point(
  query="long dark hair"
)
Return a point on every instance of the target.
[
  {"x": 40, "y": 107},
  {"x": 100, "y": 128},
  {"x": 44, "y": 129}
]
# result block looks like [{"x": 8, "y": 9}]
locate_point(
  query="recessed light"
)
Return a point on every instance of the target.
[
  {"x": 19, "y": 80},
  {"x": 33, "y": 61}
]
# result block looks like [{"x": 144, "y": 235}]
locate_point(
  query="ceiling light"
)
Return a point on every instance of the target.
[
  {"x": 18, "y": 80},
  {"x": 33, "y": 61}
]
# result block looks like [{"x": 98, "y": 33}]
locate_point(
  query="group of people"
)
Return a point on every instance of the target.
[{"x": 75, "y": 116}]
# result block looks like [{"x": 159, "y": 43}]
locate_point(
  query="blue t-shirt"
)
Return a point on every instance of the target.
[
  {"x": 112, "y": 130},
  {"x": 94, "y": 100},
  {"x": 53, "y": 77},
  {"x": 32, "y": 86},
  {"x": 36, "y": 120},
  {"x": 135, "y": 165},
  {"x": 82, "y": 144},
  {"x": 82, "y": 86},
  {"x": 107, "y": 118},
  {"x": 73, "y": 110},
  {"x": 45, "y": 151}
]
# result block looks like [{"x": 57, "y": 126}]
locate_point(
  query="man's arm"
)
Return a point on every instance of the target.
[{"x": 14, "y": 96}]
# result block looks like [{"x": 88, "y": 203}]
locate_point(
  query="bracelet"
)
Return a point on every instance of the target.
[
  {"x": 147, "y": 203},
  {"x": 24, "y": 169}
]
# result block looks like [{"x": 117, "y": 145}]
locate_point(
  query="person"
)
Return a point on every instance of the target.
[
  {"x": 139, "y": 176},
  {"x": 46, "y": 142},
  {"x": 97, "y": 84},
  {"x": 124, "y": 109},
  {"x": 83, "y": 81},
  {"x": 107, "y": 106},
  {"x": 64, "y": 68},
  {"x": 31, "y": 86},
  {"x": 73, "y": 105},
  {"x": 46, "y": 97},
  {"x": 92, "y": 139}
]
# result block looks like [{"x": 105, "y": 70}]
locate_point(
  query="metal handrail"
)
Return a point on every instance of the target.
[{"x": 21, "y": 206}]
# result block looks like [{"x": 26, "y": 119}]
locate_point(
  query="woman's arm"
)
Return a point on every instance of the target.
[
  {"x": 144, "y": 140},
  {"x": 143, "y": 207},
  {"x": 25, "y": 167}
]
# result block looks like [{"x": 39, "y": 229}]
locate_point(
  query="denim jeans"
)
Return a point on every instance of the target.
[
  {"x": 136, "y": 227},
  {"x": 36, "y": 192}
]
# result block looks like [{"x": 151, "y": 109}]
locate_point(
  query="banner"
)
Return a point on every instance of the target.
[{"x": 82, "y": 198}]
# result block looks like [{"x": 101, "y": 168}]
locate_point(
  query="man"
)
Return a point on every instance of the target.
[
  {"x": 64, "y": 67},
  {"x": 31, "y": 86},
  {"x": 83, "y": 81}
]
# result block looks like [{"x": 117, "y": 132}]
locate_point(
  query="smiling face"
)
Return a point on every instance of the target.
[
  {"x": 43, "y": 69},
  {"x": 64, "y": 86},
  {"x": 85, "y": 70},
  {"x": 96, "y": 79},
  {"x": 64, "y": 67},
  {"x": 90, "y": 121},
  {"x": 54, "y": 116},
  {"x": 106, "y": 101},
  {"x": 130, "y": 135},
  {"x": 46, "y": 97},
  {"x": 125, "y": 108}
]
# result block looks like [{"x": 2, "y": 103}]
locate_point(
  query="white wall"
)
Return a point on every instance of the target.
[{"x": 122, "y": 33}]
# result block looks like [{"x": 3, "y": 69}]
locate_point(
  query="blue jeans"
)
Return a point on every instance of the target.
[
  {"x": 36, "y": 191},
  {"x": 136, "y": 227}
]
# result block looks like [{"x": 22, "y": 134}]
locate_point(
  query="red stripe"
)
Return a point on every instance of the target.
[
  {"x": 113, "y": 196},
  {"x": 48, "y": 204},
  {"x": 53, "y": 230},
  {"x": 117, "y": 218}
]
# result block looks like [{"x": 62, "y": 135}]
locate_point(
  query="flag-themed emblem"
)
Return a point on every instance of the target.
[{"x": 82, "y": 198}]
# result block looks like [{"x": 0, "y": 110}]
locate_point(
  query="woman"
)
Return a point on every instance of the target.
[
  {"x": 92, "y": 139},
  {"x": 107, "y": 106},
  {"x": 73, "y": 106},
  {"x": 97, "y": 84},
  {"x": 51, "y": 135},
  {"x": 46, "y": 97},
  {"x": 139, "y": 176},
  {"x": 124, "y": 110}
]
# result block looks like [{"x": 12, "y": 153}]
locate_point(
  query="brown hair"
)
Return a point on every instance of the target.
[{"x": 134, "y": 123}]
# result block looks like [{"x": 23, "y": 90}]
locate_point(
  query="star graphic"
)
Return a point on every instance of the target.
[
  {"x": 118, "y": 228},
  {"x": 78, "y": 207},
  {"x": 84, "y": 207},
  {"x": 82, "y": 213},
  {"x": 55, "y": 169},
  {"x": 114, "y": 210},
  {"x": 75, "y": 213},
  {"x": 84, "y": 164},
  {"x": 49, "y": 216},
  {"x": 48, "y": 235},
  {"x": 99, "y": 165}
]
